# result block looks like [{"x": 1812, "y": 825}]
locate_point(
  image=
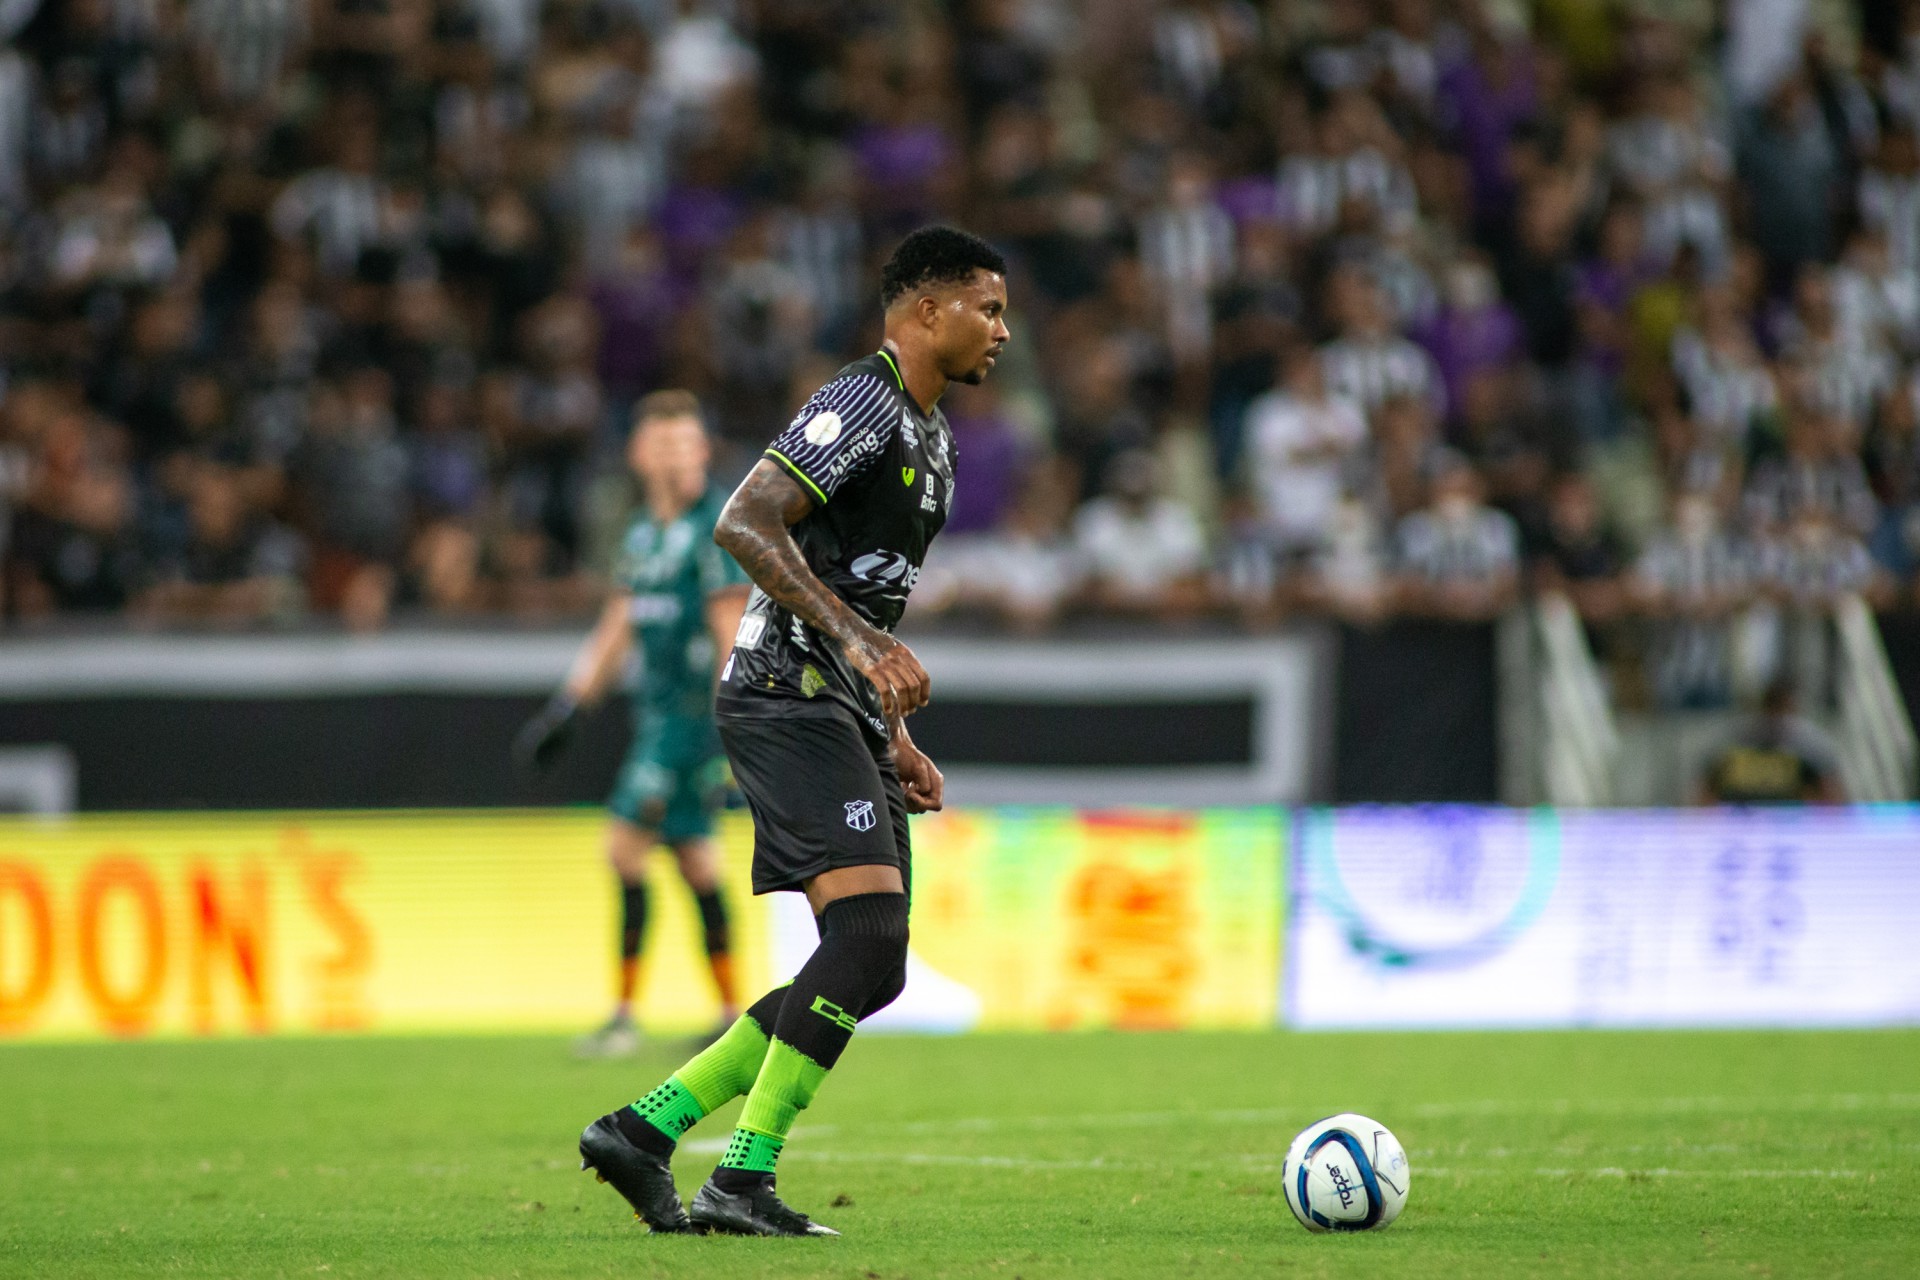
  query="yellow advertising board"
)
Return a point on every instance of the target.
[
  {"x": 162, "y": 924},
  {"x": 157, "y": 923}
]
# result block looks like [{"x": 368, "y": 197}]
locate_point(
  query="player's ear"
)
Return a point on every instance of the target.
[{"x": 927, "y": 308}]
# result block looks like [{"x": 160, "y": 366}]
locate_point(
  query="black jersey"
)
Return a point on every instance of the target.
[{"x": 880, "y": 473}]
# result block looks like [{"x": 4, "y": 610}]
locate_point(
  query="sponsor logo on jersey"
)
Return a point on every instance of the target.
[
  {"x": 860, "y": 814},
  {"x": 855, "y": 452},
  {"x": 752, "y": 627},
  {"x": 906, "y": 476},
  {"x": 823, "y": 428},
  {"x": 811, "y": 681},
  {"x": 887, "y": 569}
]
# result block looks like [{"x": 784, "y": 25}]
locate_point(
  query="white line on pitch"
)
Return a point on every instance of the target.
[
  {"x": 1271, "y": 1166},
  {"x": 1424, "y": 1110}
]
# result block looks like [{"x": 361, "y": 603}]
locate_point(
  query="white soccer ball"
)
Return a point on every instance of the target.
[{"x": 1346, "y": 1173}]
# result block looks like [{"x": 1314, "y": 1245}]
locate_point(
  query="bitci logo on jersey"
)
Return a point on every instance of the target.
[
  {"x": 823, "y": 428},
  {"x": 860, "y": 814}
]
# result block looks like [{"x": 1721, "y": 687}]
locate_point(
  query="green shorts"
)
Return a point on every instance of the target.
[{"x": 673, "y": 780}]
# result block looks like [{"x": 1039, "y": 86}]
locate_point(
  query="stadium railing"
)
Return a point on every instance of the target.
[
  {"x": 1562, "y": 742},
  {"x": 1876, "y": 736}
]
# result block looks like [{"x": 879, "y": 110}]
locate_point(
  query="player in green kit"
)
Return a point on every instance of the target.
[{"x": 677, "y": 601}]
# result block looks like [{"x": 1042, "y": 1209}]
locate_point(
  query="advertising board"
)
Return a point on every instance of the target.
[
  {"x": 312, "y": 922},
  {"x": 209, "y": 924},
  {"x": 1451, "y": 916}
]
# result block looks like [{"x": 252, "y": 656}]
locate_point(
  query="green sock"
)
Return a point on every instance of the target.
[
  {"x": 710, "y": 1079},
  {"x": 787, "y": 1082}
]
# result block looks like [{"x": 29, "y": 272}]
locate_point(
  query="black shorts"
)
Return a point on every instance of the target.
[{"x": 819, "y": 798}]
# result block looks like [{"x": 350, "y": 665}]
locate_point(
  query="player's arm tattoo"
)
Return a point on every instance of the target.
[{"x": 753, "y": 529}]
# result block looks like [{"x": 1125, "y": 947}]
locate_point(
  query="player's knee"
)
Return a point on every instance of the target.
[
  {"x": 698, "y": 865},
  {"x": 714, "y": 925},
  {"x": 627, "y": 852},
  {"x": 873, "y": 923},
  {"x": 888, "y": 991}
]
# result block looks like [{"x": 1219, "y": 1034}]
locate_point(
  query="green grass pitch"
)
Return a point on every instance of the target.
[{"x": 1104, "y": 1156}]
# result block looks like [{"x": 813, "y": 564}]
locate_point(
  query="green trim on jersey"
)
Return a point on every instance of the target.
[
  {"x": 800, "y": 475},
  {"x": 893, "y": 365}
]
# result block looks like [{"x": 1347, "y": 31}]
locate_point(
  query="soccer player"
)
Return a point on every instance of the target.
[
  {"x": 678, "y": 600},
  {"x": 832, "y": 526}
]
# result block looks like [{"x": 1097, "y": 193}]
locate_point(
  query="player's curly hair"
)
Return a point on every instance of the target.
[{"x": 936, "y": 255}]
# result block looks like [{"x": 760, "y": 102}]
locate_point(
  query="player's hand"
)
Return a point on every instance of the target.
[
  {"x": 920, "y": 778},
  {"x": 896, "y": 675},
  {"x": 544, "y": 738}
]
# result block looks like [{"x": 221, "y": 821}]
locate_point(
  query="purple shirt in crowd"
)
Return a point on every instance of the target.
[{"x": 1462, "y": 343}]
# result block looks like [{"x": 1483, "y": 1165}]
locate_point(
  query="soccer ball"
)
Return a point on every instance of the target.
[{"x": 1346, "y": 1173}]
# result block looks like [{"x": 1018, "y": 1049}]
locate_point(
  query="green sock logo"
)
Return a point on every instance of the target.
[{"x": 835, "y": 1014}]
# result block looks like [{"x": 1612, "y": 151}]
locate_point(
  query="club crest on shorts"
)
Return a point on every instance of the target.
[{"x": 860, "y": 814}]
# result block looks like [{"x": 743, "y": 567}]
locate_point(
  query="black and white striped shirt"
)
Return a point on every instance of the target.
[
  {"x": 1481, "y": 550},
  {"x": 1371, "y": 371},
  {"x": 1782, "y": 489}
]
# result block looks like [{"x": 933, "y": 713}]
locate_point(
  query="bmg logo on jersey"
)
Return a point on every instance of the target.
[{"x": 860, "y": 814}]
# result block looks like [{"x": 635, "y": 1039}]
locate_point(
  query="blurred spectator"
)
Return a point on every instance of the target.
[
  {"x": 1368, "y": 362},
  {"x": 986, "y": 436},
  {"x": 1893, "y": 464},
  {"x": 1025, "y": 571},
  {"x": 1819, "y": 474},
  {"x": 1473, "y": 331},
  {"x": 1721, "y": 369},
  {"x": 351, "y": 476},
  {"x": 1302, "y": 444},
  {"x": 1578, "y": 554},
  {"x": 1458, "y": 558},
  {"x": 1143, "y": 554},
  {"x": 1776, "y": 758},
  {"x": 1349, "y": 574},
  {"x": 237, "y": 567},
  {"x": 1811, "y": 563},
  {"x": 1693, "y": 577},
  {"x": 1787, "y": 161},
  {"x": 72, "y": 547}
]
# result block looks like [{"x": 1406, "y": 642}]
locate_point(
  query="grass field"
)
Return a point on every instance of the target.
[{"x": 1577, "y": 1154}]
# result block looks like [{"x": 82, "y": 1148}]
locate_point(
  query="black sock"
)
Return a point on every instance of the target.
[
  {"x": 863, "y": 945},
  {"x": 766, "y": 1010},
  {"x": 713, "y": 921},
  {"x": 633, "y": 918},
  {"x": 641, "y": 1134}
]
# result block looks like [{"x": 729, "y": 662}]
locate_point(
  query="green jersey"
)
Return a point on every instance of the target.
[{"x": 668, "y": 571}]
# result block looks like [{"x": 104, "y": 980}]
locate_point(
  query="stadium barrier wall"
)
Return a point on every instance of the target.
[
  {"x": 169, "y": 924},
  {"x": 424, "y": 720}
]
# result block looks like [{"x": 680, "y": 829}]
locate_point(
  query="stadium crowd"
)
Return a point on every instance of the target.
[{"x": 324, "y": 308}]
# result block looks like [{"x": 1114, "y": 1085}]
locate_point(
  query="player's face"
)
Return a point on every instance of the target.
[
  {"x": 673, "y": 453},
  {"x": 970, "y": 327}
]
